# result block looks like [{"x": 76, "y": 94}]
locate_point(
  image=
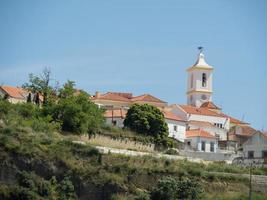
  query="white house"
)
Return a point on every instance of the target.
[
  {"x": 18, "y": 94},
  {"x": 211, "y": 121},
  {"x": 200, "y": 140},
  {"x": 176, "y": 126},
  {"x": 256, "y": 146},
  {"x": 115, "y": 117},
  {"x": 13, "y": 94}
]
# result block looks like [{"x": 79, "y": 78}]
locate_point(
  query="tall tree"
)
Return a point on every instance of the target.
[
  {"x": 40, "y": 84},
  {"x": 76, "y": 112}
]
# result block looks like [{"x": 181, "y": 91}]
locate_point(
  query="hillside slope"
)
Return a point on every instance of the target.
[{"x": 47, "y": 166}]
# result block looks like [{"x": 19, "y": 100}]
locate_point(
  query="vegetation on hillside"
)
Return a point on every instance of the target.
[{"x": 39, "y": 165}]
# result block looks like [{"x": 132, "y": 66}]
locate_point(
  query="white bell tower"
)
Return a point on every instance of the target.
[{"x": 199, "y": 84}]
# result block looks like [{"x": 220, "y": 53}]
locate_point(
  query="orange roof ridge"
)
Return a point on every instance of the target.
[
  {"x": 171, "y": 116},
  {"x": 147, "y": 97},
  {"x": 199, "y": 133}
]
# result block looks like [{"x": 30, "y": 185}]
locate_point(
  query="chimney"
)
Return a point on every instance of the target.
[{"x": 97, "y": 94}]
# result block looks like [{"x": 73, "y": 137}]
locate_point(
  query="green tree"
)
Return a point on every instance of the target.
[
  {"x": 148, "y": 120},
  {"x": 172, "y": 189},
  {"x": 76, "y": 112},
  {"x": 41, "y": 84}
]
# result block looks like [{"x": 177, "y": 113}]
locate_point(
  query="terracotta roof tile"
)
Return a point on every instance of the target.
[
  {"x": 210, "y": 105},
  {"x": 147, "y": 97},
  {"x": 199, "y": 111},
  {"x": 199, "y": 133},
  {"x": 127, "y": 97},
  {"x": 200, "y": 123},
  {"x": 15, "y": 92},
  {"x": 112, "y": 96},
  {"x": 171, "y": 116},
  {"x": 234, "y": 120}
]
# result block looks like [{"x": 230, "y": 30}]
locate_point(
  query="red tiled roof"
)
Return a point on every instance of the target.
[
  {"x": 199, "y": 111},
  {"x": 147, "y": 97},
  {"x": 200, "y": 123},
  {"x": 112, "y": 96},
  {"x": 15, "y": 92},
  {"x": 127, "y": 97},
  {"x": 116, "y": 113},
  {"x": 242, "y": 130},
  {"x": 171, "y": 116},
  {"x": 199, "y": 133},
  {"x": 210, "y": 105},
  {"x": 234, "y": 120}
]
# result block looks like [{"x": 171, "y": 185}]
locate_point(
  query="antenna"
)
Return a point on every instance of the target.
[{"x": 243, "y": 117}]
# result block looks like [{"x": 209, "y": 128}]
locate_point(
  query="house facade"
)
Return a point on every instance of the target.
[
  {"x": 256, "y": 146},
  {"x": 19, "y": 95},
  {"x": 200, "y": 140}
]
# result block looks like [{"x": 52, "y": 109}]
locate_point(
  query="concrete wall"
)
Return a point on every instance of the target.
[
  {"x": 209, "y": 156},
  {"x": 108, "y": 141}
]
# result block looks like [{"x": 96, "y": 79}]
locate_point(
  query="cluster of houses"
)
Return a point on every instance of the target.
[{"x": 200, "y": 125}]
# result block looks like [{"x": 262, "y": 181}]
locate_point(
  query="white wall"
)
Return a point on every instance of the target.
[
  {"x": 256, "y": 143},
  {"x": 211, "y": 119},
  {"x": 197, "y": 141},
  {"x": 181, "y": 128},
  {"x": 117, "y": 119},
  {"x": 197, "y": 86}
]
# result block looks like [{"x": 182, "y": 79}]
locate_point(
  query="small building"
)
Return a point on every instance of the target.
[
  {"x": 19, "y": 95},
  {"x": 115, "y": 117},
  {"x": 176, "y": 126},
  {"x": 13, "y": 94},
  {"x": 256, "y": 146},
  {"x": 200, "y": 140},
  {"x": 203, "y": 118}
]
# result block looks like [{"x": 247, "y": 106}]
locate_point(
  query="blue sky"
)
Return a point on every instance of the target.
[{"x": 141, "y": 46}]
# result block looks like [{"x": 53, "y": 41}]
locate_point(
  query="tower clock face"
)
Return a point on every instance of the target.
[{"x": 203, "y": 97}]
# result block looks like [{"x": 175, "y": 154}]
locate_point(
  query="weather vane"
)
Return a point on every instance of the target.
[{"x": 200, "y": 49}]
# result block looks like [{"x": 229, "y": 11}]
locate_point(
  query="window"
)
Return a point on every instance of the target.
[
  {"x": 204, "y": 80},
  {"x": 189, "y": 143},
  {"x": 175, "y": 128},
  {"x": 250, "y": 154},
  {"x": 264, "y": 154},
  {"x": 212, "y": 146},
  {"x": 114, "y": 122},
  {"x": 203, "y": 145},
  {"x": 192, "y": 80}
]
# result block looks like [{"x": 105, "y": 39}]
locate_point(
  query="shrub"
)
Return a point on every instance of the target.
[{"x": 171, "y": 189}]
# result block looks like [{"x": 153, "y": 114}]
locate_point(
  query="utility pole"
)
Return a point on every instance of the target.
[{"x": 250, "y": 184}]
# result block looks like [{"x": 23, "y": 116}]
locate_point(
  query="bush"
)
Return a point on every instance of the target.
[
  {"x": 148, "y": 120},
  {"x": 171, "y": 189}
]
